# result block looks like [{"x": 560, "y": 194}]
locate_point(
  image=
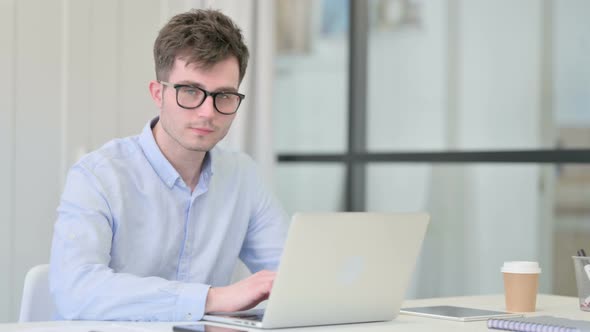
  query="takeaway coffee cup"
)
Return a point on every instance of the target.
[{"x": 521, "y": 280}]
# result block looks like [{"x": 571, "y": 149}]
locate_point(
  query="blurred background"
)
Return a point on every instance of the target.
[{"x": 332, "y": 85}]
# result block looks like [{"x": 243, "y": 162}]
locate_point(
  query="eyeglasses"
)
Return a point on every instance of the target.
[{"x": 191, "y": 97}]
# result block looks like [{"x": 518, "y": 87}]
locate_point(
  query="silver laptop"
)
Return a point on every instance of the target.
[{"x": 339, "y": 268}]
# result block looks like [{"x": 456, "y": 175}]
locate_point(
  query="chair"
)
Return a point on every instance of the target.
[{"x": 37, "y": 303}]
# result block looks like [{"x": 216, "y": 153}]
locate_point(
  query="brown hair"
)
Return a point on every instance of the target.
[{"x": 200, "y": 36}]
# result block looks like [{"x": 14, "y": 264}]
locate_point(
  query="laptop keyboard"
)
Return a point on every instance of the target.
[{"x": 255, "y": 314}]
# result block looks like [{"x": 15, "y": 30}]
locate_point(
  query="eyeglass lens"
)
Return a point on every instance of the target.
[{"x": 191, "y": 97}]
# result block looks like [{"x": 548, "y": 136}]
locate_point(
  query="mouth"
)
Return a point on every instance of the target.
[{"x": 201, "y": 130}]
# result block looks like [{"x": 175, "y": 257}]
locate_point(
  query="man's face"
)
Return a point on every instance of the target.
[{"x": 201, "y": 128}]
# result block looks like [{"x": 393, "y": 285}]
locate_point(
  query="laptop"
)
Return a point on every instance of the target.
[{"x": 339, "y": 268}]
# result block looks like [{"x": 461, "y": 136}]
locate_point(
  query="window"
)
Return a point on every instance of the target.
[{"x": 473, "y": 111}]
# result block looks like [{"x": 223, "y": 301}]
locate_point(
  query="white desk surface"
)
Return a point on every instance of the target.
[{"x": 561, "y": 306}]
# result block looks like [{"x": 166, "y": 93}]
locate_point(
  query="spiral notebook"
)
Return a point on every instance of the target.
[{"x": 540, "y": 323}]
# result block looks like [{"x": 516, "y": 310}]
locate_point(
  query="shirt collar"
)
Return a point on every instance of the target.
[{"x": 160, "y": 164}]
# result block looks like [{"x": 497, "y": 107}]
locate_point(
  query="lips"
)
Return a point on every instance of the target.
[{"x": 201, "y": 131}]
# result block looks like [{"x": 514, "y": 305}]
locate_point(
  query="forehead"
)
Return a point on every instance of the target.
[{"x": 223, "y": 73}]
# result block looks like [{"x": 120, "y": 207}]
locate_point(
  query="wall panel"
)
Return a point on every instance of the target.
[
  {"x": 38, "y": 137},
  {"x": 7, "y": 132},
  {"x": 139, "y": 23},
  {"x": 104, "y": 84}
]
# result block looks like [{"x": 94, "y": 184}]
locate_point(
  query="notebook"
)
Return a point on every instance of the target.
[
  {"x": 340, "y": 268},
  {"x": 539, "y": 323}
]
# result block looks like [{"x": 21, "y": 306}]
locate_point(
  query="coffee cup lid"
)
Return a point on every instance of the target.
[{"x": 521, "y": 267}]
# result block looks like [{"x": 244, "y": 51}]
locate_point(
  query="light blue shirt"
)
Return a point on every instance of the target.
[{"x": 132, "y": 242}]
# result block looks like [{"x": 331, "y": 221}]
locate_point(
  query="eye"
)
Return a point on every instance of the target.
[{"x": 191, "y": 91}]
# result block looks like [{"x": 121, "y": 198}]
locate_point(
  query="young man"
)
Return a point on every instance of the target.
[{"x": 151, "y": 227}]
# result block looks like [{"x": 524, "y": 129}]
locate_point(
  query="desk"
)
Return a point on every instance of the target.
[{"x": 546, "y": 305}]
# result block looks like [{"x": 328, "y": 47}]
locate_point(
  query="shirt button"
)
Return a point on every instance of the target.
[
  {"x": 189, "y": 316},
  {"x": 72, "y": 236}
]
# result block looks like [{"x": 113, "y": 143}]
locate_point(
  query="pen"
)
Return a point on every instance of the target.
[{"x": 582, "y": 253}]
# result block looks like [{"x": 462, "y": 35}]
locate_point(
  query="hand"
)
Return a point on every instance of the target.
[{"x": 242, "y": 295}]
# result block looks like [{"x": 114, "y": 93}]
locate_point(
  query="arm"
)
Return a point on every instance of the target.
[
  {"x": 261, "y": 251},
  {"x": 81, "y": 282},
  {"x": 267, "y": 228}
]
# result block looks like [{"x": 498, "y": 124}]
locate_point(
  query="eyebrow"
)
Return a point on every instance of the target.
[{"x": 199, "y": 85}]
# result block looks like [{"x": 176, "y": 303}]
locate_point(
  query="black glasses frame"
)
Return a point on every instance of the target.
[{"x": 206, "y": 94}]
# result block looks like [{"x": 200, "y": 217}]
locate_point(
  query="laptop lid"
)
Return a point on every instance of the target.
[{"x": 341, "y": 268}]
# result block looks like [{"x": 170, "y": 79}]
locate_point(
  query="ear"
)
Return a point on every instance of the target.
[{"x": 156, "y": 91}]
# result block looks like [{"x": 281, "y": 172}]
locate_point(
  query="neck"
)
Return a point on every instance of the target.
[{"x": 187, "y": 163}]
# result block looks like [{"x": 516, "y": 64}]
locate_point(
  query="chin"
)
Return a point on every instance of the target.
[{"x": 199, "y": 147}]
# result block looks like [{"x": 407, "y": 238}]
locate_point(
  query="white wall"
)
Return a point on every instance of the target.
[
  {"x": 75, "y": 75},
  {"x": 7, "y": 139},
  {"x": 35, "y": 110}
]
